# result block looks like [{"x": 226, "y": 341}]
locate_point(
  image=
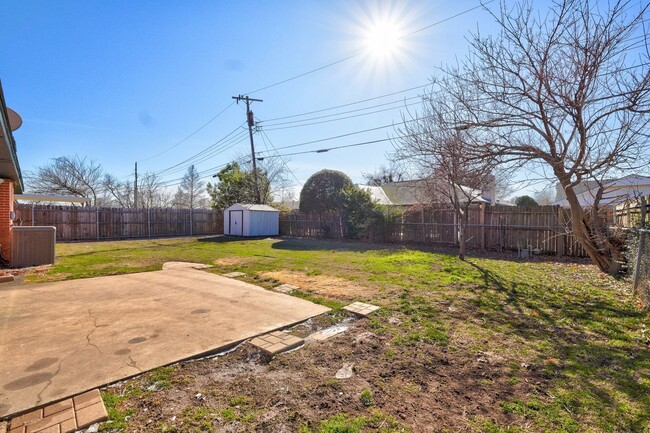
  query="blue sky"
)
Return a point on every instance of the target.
[{"x": 121, "y": 81}]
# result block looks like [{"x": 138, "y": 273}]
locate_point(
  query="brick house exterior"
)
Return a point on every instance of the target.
[{"x": 6, "y": 210}]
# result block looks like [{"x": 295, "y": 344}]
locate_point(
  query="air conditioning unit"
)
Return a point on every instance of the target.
[{"x": 32, "y": 246}]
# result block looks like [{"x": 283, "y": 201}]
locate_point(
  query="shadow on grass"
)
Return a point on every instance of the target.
[
  {"x": 603, "y": 363},
  {"x": 302, "y": 244},
  {"x": 311, "y": 244}
]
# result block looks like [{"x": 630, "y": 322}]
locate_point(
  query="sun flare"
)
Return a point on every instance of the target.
[{"x": 382, "y": 39}]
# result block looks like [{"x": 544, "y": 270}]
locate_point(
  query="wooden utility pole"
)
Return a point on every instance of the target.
[
  {"x": 251, "y": 121},
  {"x": 135, "y": 188}
]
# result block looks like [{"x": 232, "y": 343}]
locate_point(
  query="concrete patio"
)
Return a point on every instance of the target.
[{"x": 61, "y": 339}]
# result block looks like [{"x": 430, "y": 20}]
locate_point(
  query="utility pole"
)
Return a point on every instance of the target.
[
  {"x": 251, "y": 121},
  {"x": 135, "y": 187}
]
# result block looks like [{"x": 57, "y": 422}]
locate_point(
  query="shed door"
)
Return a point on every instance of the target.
[{"x": 236, "y": 222}]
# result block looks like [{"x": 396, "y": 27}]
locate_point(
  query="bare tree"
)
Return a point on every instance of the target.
[
  {"x": 385, "y": 174},
  {"x": 568, "y": 91},
  {"x": 440, "y": 152},
  {"x": 71, "y": 175},
  {"x": 275, "y": 172},
  {"x": 152, "y": 193},
  {"x": 120, "y": 193},
  {"x": 190, "y": 190}
]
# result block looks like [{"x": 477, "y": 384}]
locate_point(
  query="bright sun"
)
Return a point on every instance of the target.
[{"x": 383, "y": 39}]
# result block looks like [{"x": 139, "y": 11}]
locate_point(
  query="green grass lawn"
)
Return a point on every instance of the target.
[{"x": 579, "y": 330}]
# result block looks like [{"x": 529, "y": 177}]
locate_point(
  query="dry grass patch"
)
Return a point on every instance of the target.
[
  {"x": 233, "y": 261},
  {"x": 324, "y": 285}
]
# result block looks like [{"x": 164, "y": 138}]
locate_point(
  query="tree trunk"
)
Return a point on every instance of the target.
[
  {"x": 461, "y": 236},
  {"x": 605, "y": 258}
]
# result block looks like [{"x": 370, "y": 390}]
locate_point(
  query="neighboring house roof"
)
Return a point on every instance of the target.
[
  {"x": 504, "y": 202},
  {"x": 615, "y": 191},
  {"x": 407, "y": 192},
  {"x": 9, "y": 166},
  {"x": 411, "y": 192},
  {"x": 255, "y": 207},
  {"x": 377, "y": 194},
  {"x": 291, "y": 204}
]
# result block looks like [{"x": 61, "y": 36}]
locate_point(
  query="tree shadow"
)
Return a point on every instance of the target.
[
  {"x": 592, "y": 337},
  {"x": 303, "y": 244},
  {"x": 225, "y": 239}
]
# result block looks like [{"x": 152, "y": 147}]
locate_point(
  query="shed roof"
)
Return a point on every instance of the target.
[{"x": 256, "y": 207}]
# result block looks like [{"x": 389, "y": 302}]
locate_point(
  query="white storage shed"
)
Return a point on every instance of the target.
[{"x": 251, "y": 220}]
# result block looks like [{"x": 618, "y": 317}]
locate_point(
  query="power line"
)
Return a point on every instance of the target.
[
  {"x": 201, "y": 152},
  {"x": 348, "y": 104},
  {"x": 264, "y": 134},
  {"x": 352, "y": 111},
  {"x": 340, "y": 118},
  {"x": 189, "y": 136},
  {"x": 365, "y": 143},
  {"x": 335, "y": 136},
  {"x": 227, "y": 146}
]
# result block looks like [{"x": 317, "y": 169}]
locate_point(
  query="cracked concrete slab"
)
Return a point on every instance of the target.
[{"x": 61, "y": 339}]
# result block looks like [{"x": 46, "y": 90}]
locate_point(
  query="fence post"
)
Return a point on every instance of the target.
[
  {"x": 191, "y": 223},
  {"x": 149, "y": 221},
  {"x": 424, "y": 237},
  {"x": 481, "y": 220},
  {"x": 561, "y": 239},
  {"x": 33, "y": 213},
  {"x": 637, "y": 266},
  {"x": 97, "y": 221}
]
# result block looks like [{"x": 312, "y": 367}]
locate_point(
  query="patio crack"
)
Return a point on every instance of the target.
[
  {"x": 90, "y": 334},
  {"x": 133, "y": 363},
  {"x": 49, "y": 382}
]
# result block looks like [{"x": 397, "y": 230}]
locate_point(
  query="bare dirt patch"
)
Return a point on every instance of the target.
[
  {"x": 233, "y": 261},
  {"x": 324, "y": 285},
  {"x": 428, "y": 390}
]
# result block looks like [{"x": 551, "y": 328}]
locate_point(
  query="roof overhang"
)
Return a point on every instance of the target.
[{"x": 9, "y": 166}]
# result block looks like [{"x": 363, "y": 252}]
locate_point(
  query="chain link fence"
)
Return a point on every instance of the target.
[{"x": 640, "y": 267}]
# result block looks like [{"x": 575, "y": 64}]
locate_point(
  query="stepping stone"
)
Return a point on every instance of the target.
[
  {"x": 361, "y": 308},
  {"x": 285, "y": 288},
  {"x": 184, "y": 265},
  {"x": 6, "y": 279},
  {"x": 64, "y": 416},
  {"x": 276, "y": 342},
  {"x": 234, "y": 274}
]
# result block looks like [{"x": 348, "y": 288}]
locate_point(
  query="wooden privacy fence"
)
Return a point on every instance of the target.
[
  {"x": 75, "y": 223},
  {"x": 543, "y": 228},
  {"x": 632, "y": 213}
]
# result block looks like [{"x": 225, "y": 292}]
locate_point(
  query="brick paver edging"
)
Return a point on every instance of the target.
[{"x": 63, "y": 417}]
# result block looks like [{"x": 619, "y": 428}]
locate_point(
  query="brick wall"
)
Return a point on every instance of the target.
[{"x": 6, "y": 206}]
